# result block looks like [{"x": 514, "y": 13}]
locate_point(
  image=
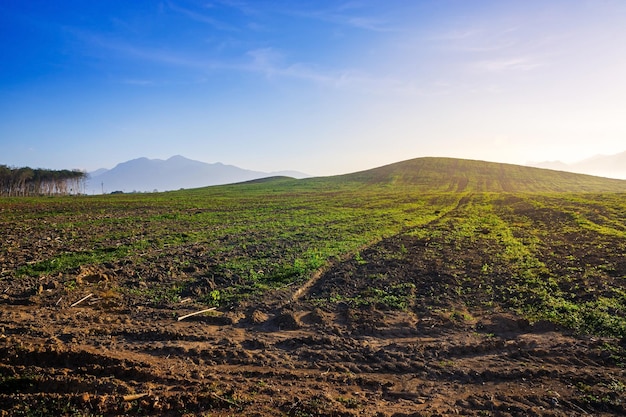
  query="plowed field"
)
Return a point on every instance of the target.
[{"x": 480, "y": 305}]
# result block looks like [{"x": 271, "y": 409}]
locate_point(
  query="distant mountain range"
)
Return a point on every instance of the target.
[
  {"x": 610, "y": 166},
  {"x": 146, "y": 175}
]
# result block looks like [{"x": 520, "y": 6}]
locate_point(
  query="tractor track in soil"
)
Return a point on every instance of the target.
[{"x": 303, "y": 360}]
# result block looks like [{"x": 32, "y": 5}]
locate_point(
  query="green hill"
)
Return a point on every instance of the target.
[{"x": 461, "y": 175}]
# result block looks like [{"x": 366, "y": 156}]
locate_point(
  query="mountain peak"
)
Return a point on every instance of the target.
[
  {"x": 178, "y": 158},
  {"x": 143, "y": 174}
]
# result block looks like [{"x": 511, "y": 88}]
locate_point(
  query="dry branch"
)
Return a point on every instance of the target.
[
  {"x": 81, "y": 300},
  {"x": 219, "y": 397},
  {"x": 132, "y": 397},
  {"x": 197, "y": 312}
]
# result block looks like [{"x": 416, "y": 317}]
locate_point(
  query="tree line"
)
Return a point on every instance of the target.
[{"x": 40, "y": 182}]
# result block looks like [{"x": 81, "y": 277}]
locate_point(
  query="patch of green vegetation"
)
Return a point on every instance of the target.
[
  {"x": 601, "y": 395},
  {"x": 568, "y": 290},
  {"x": 396, "y": 297},
  {"x": 349, "y": 402},
  {"x": 71, "y": 260},
  {"x": 616, "y": 353}
]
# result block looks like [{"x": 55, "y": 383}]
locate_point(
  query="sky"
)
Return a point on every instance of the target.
[{"x": 324, "y": 87}]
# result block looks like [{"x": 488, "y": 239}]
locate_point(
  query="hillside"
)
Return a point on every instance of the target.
[{"x": 460, "y": 175}]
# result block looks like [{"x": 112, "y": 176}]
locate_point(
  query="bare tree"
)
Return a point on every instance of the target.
[{"x": 36, "y": 182}]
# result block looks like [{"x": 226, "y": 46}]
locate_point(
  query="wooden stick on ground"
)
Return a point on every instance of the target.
[
  {"x": 81, "y": 300},
  {"x": 197, "y": 312},
  {"x": 133, "y": 397},
  {"x": 225, "y": 400}
]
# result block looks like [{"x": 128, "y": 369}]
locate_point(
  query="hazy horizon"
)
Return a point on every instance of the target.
[
  {"x": 534, "y": 164},
  {"x": 321, "y": 87}
]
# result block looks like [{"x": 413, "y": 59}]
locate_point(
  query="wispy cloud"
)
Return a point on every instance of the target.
[
  {"x": 456, "y": 35},
  {"x": 508, "y": 64},
  {"x": 367, "y": 23},
  {"x": 271, "y": 64},
  {"x": 476, "y": 39},
  {"x": 201, "y": 17},
  {"x": 485, "y": 48},
  {"x": 124, "y": 49},
  {"x": 242, "y": 6},
  {"x": 265, "y": 60},
  {"x": 340, "y": 16},
  {"x": 350, "y": 5}
]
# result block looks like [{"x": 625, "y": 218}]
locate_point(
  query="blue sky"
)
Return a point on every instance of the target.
[{"x": 323, "y": 87}]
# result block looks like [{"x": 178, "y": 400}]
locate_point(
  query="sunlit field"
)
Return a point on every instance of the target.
[{"x": 398, "y": 259}]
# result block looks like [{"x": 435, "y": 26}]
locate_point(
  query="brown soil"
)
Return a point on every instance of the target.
[
  {"x": 303, "y": 350},
  {"x": 289, "y": 354}
]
